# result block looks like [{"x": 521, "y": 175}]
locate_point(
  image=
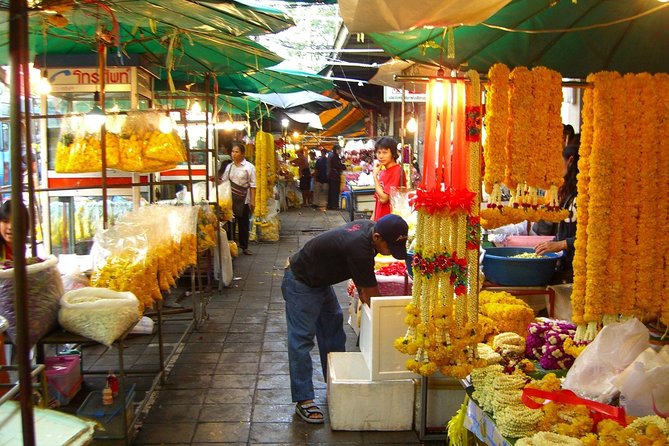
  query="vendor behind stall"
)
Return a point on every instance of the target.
[
  {"x": 566, "y": 232},
  {"x": 6, "y": 230}
]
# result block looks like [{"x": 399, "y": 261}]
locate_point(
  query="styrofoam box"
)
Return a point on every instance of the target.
[
  {"x": 372, "y": 389},
  {"x": 356, "y": 403},
  {"x": 380, "y": 325}
]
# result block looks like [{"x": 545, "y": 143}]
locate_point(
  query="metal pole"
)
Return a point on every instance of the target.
[
  {"x": 29, "y": 153},
  {"x": 102, "y": 65},
  {"x": 18, "y": 53}
]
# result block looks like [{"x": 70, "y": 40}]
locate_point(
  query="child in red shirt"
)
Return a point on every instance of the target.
[{"x": 387, "y": 174}]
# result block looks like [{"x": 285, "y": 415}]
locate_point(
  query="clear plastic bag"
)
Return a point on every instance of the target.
[
  {"x": 78, "y": 149},
  {"x": 615, "y": 347},
  {"x": 44, "y": 289},
  {"x": 644, "y": 384},
  {"x": 97, "y": 313}
]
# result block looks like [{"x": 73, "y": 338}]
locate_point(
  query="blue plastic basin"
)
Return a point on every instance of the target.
[{"x": 500, "y": 268}]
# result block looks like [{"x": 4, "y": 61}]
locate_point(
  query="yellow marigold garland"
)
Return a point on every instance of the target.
[
  {"x": 648, "y": 304},
  {"x": 601, "y": 176},
  {"x": 582, "y": 201},
  {"x": 661, "y": 290},
  {"x": 519, "y": 144},
  {"x": 473, "y": 98},
  {"x": 496, "y": 120}
]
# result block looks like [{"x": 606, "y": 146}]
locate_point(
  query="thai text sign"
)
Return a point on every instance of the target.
[{"x": 391, "y": 94}]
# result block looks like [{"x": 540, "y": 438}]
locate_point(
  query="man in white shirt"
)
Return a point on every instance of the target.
[{"x": 242, "y": 177}]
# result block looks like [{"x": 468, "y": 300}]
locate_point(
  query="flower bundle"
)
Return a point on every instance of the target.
[
  {"x": 265, "y": 163},
  {"x": 531, "y": 137},
  {"x": 545, "y": 343},
  {"x": 497, "y": 121},
  {"x": 651, "y": 430},
  {"x": 623, "y": 179},
  {"x": 473, "y": 240},
  {"x": 394, "y": 269},
  {"x": 507, "y": 311},
  {"x": 442, "y": 331}
]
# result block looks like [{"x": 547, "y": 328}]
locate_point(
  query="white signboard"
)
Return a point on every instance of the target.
[
  {"x": 391, "y": 94},
  {"x": 88, "y": 76}
]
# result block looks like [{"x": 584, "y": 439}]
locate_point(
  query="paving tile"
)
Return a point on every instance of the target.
[
  {"x": 202, "y": 347},
  {"x": 275, "y": 346},
  {"x": 272, "y": 396},
  {"x": 273, "y": 368},
  {"x": 200, "y": 358},
  {"x": 228, "y": 432},
  {"x": 181, "y": 396},
  {"x": 241, "y": 347},
  {"x": 229, "y": 396},
  {"x": 274, "y": 357},
  {"x": 173, "y": 413},
  {"x": 236, "y": 357},
  {"x": 255, "y": 336},
  {"x": 236, "y": 368},
  {"x": 199, "y": 381},
  {"x": 236, "y": 381},
  {"x": 394, "y": 438},
  {"x": 165, "y": 433},
  {"x": 225, "y": 413},
  {"x": 246, "y": 328},
  {"x": 273, "y": 381},
  {"x": 273, "y": 413}
]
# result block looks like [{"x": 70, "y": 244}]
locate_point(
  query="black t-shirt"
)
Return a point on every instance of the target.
[
  {"x": 339, "y": 254},
  {"x": 322, "y": 169}
]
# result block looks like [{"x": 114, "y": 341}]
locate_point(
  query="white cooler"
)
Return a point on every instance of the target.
[{"x": 372, "y": 390}]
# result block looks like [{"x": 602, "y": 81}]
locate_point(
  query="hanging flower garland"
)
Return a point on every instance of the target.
[
  {"x": 662, "y": 281},
  {"x": 496, "y": 119},
  {"x": 473, "y": 238},
  {"x": 599, "y": 223},
  {"x": 647, "y": 303},
  {"x": 533, "y": 148},
  {"x": 582, "y": 199},
  {"x": 440, "y": 335}
]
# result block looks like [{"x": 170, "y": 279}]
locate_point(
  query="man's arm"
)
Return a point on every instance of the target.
[{"x": 366, "y": 294}]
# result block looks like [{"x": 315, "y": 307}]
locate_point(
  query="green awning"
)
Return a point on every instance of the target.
[{"x": 574, "y": 38}]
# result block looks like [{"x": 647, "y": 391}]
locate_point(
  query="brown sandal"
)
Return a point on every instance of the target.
[{"x": 309, "y": 412}]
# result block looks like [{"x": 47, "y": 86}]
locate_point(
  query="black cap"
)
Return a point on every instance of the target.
[{"x": 394, "y": 230}]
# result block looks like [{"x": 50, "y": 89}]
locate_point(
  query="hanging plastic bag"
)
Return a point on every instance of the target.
[
  {"x": 223, "y": 260},
  {"x": 615, "y": 347},
  {"x": 44, "y": 289},
  {"x": 98, "y": 313},
  {"x": 644, "y": 384},
  {"x": 78, "y": 149}
]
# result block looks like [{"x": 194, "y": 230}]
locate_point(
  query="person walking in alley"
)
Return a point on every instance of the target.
[
  {"x": 321, "y": 180},
  {"x": 335, "y": 168},
  {"x": 312, "y": 309},
  {"x": 242, "y": 177}
]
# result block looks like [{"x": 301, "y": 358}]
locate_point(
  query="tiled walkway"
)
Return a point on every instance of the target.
[{"x": 229, "y": 385}]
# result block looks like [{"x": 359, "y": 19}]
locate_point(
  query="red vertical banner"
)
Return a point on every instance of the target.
[
  {"x": 459, "y": 168},
  {"x": 430, "y": 143}
]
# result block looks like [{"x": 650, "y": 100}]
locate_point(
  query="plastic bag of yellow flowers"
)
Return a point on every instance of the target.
[{"x": 234, "y": 251}]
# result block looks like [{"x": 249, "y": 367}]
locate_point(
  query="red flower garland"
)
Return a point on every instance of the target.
[
  {"x": 473, "y": 123},
  {"x": 451, "y": 201},
  {"x": 452, "y": 264}
]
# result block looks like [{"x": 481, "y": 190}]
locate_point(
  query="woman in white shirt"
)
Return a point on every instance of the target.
[{"x": 242, "y": 177}]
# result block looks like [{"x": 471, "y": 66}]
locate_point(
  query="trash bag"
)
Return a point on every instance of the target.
[
  {"x": 44, "y": 289},
  {"x": 644, "y": 384}
]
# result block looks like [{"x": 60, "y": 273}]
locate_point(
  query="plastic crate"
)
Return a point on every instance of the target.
[
  {"x": 109, "y": 417},
  {"x": 63, "y": 377}
]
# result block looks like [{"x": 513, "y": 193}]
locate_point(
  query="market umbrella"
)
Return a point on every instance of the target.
[
  {"x": 573, "y": 38},
  {"x": 299, "y": 100},
  {"x": 232, "y": 105},
  {"x": 271, "y": 80}
]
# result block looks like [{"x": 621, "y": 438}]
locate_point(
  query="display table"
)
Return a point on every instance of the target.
[{"x": 361, "y": 199}]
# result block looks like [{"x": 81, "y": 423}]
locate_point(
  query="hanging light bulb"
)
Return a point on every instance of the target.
[
  {"x": 228, "y": 126},
  {"x": 196, "y": 107},
  {"x": 284, "y": 123},
  {"x": 44, "y": 86},
  {"x": 412, "y": 125},
  {"x": 94, "y": 119},
  {"x": 296, "y": 134},
  {"x": 165, "y": 124}
]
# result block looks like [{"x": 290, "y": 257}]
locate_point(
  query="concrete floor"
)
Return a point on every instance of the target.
[{"x": 229, "y": 383}]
